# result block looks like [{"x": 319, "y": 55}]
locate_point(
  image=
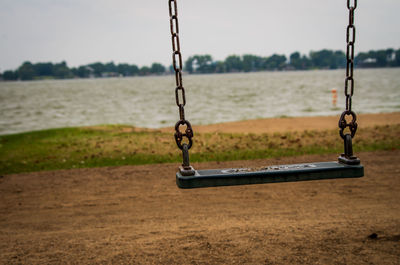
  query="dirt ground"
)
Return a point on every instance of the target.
[
  {"x": 273, "y": 125},
  {"x": 137, "y": 215}
]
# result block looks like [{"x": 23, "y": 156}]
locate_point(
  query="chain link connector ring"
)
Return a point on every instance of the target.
[
  {"x": 352, "y": 125},
  {"x": 179, "y": 135}
]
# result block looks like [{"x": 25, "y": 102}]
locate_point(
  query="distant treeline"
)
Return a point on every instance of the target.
[
  {"x": 324, "y": 59},
  {"x": 29, "y": 71}
]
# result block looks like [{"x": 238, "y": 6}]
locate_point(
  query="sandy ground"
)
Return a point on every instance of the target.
[
  {"x": 137, "y": 215},
  {"x": 293, "y": 124}
]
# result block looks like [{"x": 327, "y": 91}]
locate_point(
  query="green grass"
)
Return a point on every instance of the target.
[{"x": 116, "y": 145}]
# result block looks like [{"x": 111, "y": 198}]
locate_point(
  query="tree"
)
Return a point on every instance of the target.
[
  {"x": 338, "y": 60},
  {"x": 200, "y": 64},
  {"x": 328, "y": 59},
  {"x": 397, "y": 59},
  {"x": 188, "y": 65},
  {"x": 127, "y": 69},
  {"x": 62, "y": 71},
  {"x": 157, "y": 68},
  {"x": 134, "y": 70},
  {"x": 299, "y": 62},
  {"x": 83, "y": 71},
  {"x": 26, "y": 71},
  {"x": 275, "y": 62},
  {"x": 295, "y": 60},
  {"x": 321, "y": 59},
  {"x": 220, "y": 67},
  {"x": 44, "y": 69},
  {"x": 251, "y": 63},
  {"x": 145, "y": 70},
  {"x": 306, "y": 62},
  {"x": 233, "y": 63},
  {"x": 98, "y": 68},
  {"x": 10, "y": 75},
  {"x": 205, "y": 63},
  {"x": 110, "y": 68},
  {"x": 381, "y": 58},
  {"x": 390, "y": 57}
]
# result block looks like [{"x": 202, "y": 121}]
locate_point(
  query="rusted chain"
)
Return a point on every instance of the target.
[
  {"x": 177, "y": 64},
  {"x": 349, "y": 80}
]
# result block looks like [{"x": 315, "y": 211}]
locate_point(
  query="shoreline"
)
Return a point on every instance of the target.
[{"x": 253, "y": 126}]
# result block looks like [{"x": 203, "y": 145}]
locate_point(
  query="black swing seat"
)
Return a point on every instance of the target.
[{"x": 271, "y": 174}]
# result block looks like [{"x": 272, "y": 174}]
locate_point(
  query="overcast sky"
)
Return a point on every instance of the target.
[{"x": 137, "y": 32}]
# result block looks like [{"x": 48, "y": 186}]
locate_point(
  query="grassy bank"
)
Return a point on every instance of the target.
[{"x": 123, "y": 145}]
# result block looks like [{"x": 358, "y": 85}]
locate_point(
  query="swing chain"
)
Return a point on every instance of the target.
[
  {"x": 347, "y": 157},
  {"x": 177, "y": 64},
  {"x": 349, "y": 81}
]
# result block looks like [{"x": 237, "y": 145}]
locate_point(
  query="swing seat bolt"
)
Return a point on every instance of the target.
[
  {"x": 352, "y": 160},
  {"x": 187, "y": 171}
]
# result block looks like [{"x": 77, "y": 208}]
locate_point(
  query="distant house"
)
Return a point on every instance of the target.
[
  {"x": 369, "y": 61},
  {"x": 391, "y": 57},
  {"x": 91, "y": 71},
  {"x": 110, "y": 74}
]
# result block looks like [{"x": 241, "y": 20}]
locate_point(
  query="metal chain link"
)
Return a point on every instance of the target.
[
  {"x": 179, "y": 90},
  {"x": 349, "y": 81}
]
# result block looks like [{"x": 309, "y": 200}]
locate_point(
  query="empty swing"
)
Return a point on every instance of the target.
[{"x": 347, "y": 166}]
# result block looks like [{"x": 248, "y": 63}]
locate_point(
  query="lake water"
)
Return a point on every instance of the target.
[{"x": 150, "y": 101}]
